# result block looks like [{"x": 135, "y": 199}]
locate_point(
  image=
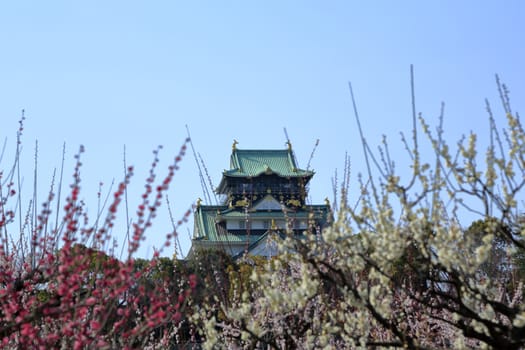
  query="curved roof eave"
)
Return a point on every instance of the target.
[{"x": 298, "y": 173}]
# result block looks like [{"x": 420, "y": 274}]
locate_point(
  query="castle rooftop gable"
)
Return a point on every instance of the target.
[{"x": 252, "y": 163}]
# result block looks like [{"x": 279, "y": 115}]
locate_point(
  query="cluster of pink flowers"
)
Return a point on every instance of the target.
[{"x": 59, "y": 290}]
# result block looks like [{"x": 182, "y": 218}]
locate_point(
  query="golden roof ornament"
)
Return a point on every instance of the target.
[{"x": 235, "y": 143}]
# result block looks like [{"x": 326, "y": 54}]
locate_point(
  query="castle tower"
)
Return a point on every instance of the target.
[{"x": 263, "y": 197}]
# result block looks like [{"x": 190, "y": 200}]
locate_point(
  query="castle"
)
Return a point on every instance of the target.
[{"x": 263, "y": 198}]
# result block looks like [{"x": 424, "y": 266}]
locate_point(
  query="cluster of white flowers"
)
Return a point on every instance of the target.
[{"x": 401, "y": 269}]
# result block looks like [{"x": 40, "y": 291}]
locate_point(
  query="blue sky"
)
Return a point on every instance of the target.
[{"x": 106, "y": 74}]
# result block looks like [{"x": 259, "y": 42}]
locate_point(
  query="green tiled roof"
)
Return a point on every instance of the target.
[
  {"x": 244, "y": 163},
  {"x": 206, "y": 227},
  {"x": 206, "y": 216},
  {"x": 319, "y": 212}
]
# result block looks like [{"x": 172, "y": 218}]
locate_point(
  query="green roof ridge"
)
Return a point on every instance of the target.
[{"x": 254, "y": 162}]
